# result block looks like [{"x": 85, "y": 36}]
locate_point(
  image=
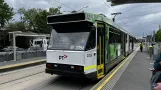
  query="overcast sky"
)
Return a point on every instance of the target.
[{"x": 135, "y": 18}]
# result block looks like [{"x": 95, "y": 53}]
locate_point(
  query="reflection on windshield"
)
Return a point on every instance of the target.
[{"x": 68, "y": 41}]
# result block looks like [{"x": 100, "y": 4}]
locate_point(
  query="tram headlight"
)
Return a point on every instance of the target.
[
  {"x": 55, "y": 65},
  {"x": 72, "y": 67}
]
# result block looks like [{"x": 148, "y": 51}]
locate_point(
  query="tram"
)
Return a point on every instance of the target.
[{"x": 85, "y": 45}]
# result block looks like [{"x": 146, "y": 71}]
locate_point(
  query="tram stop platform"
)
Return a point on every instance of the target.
[{"x": 131, "y": 74}]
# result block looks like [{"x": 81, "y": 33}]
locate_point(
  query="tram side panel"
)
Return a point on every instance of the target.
[
  {"x": 114, "y": 48},
  {"x": 90, "y": 68},
  {"x": 131, "y": 45},
  {"x": 127, "y": 45},
  {"x": 107, "y": 49}
]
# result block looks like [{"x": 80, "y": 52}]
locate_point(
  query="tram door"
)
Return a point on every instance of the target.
[{"x": 100, "y": 49}]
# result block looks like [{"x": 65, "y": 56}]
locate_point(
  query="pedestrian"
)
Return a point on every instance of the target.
[
  {"x": 157, "y": 63},
  {"x": 157, "y": 68},
  {"x": 158, "y": 87},
  {"x": 141, "y": 47}
]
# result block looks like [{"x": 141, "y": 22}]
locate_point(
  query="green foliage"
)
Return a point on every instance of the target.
[
  {"x": 41, "y": 22},
  {"x": 35, "y": 19},
  {"x": 28, "y": 17},
  {"x": 74, "y": 12},
  {"x": 53, "y": 11},
  {"x": 16, "y": 26},
  {"x": 6, "y": 13},
  {"x": 158, "y": 36}
]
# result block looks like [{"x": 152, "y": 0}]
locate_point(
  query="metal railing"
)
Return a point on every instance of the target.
[
  {"x": 154, "y": 51},
  {"x": 8, "y": 56}
]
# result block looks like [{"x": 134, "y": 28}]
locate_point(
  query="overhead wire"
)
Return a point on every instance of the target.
[
  {"x": 137, "y": 12},
  {"x": 101, "y": 0},
  {"x": 106, "y": 3},
  {"x": 124, "y": 23},
  {"x": 110, "y": 11},
  {"x": 62, "y": 4}
]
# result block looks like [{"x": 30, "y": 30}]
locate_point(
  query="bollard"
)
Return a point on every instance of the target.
[{"x": 150, "y": 51}]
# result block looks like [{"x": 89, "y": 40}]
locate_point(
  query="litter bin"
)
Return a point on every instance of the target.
[{"x": 150, "y": 51}]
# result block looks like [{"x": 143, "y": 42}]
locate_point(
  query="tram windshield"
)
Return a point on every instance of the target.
[{"x": 69, "y": 39}]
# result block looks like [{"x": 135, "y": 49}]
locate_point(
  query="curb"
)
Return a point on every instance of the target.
[{"x": 21, "y": 65}]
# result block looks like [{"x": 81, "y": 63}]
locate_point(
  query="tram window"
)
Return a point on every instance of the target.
[
  {"x": 91, "y": 40},
  {"x": 118, "y": 37},
  {"x": 115, "y": 36},
  {"x": 111, "y": 36},
  {"x": 125, "y": 38}
]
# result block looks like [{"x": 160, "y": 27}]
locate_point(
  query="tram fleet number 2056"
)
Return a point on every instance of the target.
[{"x": 85, "y": 45}]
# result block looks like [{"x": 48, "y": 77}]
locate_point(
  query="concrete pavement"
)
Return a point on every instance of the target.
[
  {"x": 136, "y": 76},
  {"x": 131, "y": 74},
  {"x": 35, "y": 78},
  {"x": 12, "y": 65}
]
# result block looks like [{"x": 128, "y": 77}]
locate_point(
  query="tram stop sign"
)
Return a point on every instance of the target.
[{"x": 120, "y": 2}]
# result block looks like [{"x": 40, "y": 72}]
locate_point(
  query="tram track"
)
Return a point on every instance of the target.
[
  {"x": 67, "y": 83},
  {"x": 41, "y": 88},
  {"x": 17, "y": 71},
  {"x": 21, "y": 78},
  {"x": 34, "y": 78}
]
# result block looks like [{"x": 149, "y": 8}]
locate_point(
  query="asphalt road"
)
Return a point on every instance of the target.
[{"x": 34, "y": 78}]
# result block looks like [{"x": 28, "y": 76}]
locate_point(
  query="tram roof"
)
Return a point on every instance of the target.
[
  {"x": 90, "y": 17},
  {"x": 101, "y": 17}
]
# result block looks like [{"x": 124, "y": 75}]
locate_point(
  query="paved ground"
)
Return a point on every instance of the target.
[
  {"x": 136, "y": 76},
  {"x": 34, "y": 78},
  {"x": 21, "y": 61}
]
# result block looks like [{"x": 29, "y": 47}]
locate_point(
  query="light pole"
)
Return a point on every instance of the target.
[
  {"x": 153, "y": 39},
  {"x": 115, "y": 14}
]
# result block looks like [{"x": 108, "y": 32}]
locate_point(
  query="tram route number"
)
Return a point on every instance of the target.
[{"x": 89, "y": 55}]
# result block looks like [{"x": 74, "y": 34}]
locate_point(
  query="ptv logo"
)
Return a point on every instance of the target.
[{"x": 62, "y": 57}]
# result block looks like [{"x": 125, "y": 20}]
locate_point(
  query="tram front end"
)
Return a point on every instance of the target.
[{"x": 72, "y": 46}]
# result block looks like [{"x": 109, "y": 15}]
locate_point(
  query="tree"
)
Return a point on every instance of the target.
[
  {"x": 158, "y": 36},
  {"x": 74, "y": 11},
  {"x": 6, "y": 13},
  {"x": 16, "y": 26},
  {"x": 35, "y": 19},
  {"x": 28, "y": 17},
  {"x": 41, "y": 20},
  {"x": 53, "y": 11}
]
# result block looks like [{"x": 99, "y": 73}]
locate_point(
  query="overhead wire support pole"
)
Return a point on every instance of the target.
[
  {"x": 14, "y": 47},
  {"x": 110, "y": 11},
  {"x": 115, "y": 14}
]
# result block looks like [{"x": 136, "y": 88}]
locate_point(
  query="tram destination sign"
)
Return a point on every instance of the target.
[{"x": 120, "y": 2}]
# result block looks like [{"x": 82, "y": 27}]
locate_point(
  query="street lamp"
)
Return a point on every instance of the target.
[{"x": 115, "y": 14}]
